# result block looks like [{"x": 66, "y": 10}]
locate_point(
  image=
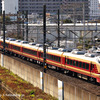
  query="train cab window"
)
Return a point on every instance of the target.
[
  {"x": 80, "y": 64},
  {"x": 87, "y": 66},
  {"x": 83, "y": 65},
  {"x": 77, "y": 63}
]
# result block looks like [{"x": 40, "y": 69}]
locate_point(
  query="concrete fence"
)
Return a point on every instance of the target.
[{"x": 50, "y": 84}]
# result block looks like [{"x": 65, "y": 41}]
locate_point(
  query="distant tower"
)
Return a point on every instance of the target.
[{"x": 9, "y": 6}]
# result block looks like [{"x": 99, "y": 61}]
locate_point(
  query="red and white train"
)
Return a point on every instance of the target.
[{"x": 76, "y": 64}]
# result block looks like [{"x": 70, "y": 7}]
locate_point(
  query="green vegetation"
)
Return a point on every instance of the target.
[
  {"x": 7, "y": 19},
  {"x": 19, "y": 86},
  {"x": 67, "y": 21}
]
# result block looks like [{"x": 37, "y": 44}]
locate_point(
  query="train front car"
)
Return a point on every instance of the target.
[
  {"x": 98, "y": 68},
  {"x": 83, "y": 66}
]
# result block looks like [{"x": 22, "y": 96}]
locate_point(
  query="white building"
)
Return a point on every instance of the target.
[
  {"x": 94, "y": 9},
  {"x": 10, "y": 6}
]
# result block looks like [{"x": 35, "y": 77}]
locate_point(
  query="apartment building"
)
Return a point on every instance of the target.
[
  {"x": 77, "y": 9},
  {"x": 94, "y": 9},
  {"x": 36, "y": 6},
  {"x": 0, "y": 6},
  {"x": 10, "y": 6}
]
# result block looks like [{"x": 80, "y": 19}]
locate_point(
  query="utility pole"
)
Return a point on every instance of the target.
[
  {"x": 26, "y": 16},
  {"x": 44, "y": 38},
  {"x": 4, "y": 31},
  {"x": 58, "y": 29}
]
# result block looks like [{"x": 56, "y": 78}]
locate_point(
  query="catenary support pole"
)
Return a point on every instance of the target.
[
  {"x": 58, "y": 29},
  {"x": 23, "y": 24},
  {"x": 26, "y": 25},
  {"x": 4, "y": 31},
  {"x": 17, "y": 24},
  {"x": 62, "y": 90},
  {"x": 44, "y": 38}
]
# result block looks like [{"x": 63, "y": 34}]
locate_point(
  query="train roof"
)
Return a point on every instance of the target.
[
  {"x": 74, "y": 56},
  {"x": 54, "y": 51}
]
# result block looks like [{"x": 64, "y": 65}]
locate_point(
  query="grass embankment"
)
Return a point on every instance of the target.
[{"x": 19, "y": 86}]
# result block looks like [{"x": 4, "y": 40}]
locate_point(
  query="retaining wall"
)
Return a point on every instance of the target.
[{"x": 51, "y": 85}]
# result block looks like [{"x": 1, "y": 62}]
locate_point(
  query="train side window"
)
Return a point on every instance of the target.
[
  {"x": 74, "y": 62},
  {"x": 77, "y": 64},
  {"x": 59, "y": 59},
  {"x": 54, "y": 58},
  {"x": 71, "y": 62},
  {"x": 34, "y": 52},
  {"x": 2, "y": 43},
  {"x": 16, "y": 48},
  {"x": 87, "y": 66},
  {"x": 49, "y": 56},
  {"x": 6, "y": 45},
  {"x": 68, "y": 61},
  {"x": 80, "y": 64},
  {"x": 83, "y": 65},
  {"x": 42, "y": 55},
  {"x": 65, "y": 60}
]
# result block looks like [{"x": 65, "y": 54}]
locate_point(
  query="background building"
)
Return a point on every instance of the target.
[
  {"x": 94, "y": 9},
  {"x": 76, "y": 9},
  {"x": 0, "y": 6},
  {"x": 10, "y": 6},
  {"x": 36, "y": 6}
]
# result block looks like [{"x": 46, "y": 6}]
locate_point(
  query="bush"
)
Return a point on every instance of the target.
[{"x": 67, "y": 21}]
